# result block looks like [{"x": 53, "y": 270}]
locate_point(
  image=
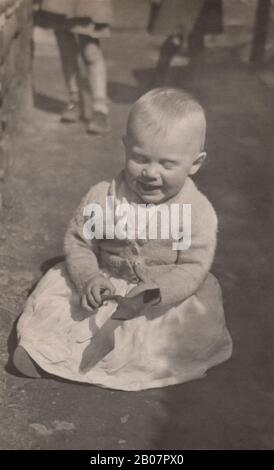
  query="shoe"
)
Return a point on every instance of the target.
[
  {"x": 71, "y": 113},
  {"x": 99, "y": 124}
]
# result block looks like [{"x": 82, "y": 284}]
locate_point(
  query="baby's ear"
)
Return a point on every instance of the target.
[{"x": 196, "y": 165}]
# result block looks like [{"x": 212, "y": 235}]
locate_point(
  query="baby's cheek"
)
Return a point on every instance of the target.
[
  {"x": 133, "y": 169},
  {"x": 176, "y": 179}
]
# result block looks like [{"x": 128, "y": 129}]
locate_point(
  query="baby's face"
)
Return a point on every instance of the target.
[{"x": 157, "y": 165}]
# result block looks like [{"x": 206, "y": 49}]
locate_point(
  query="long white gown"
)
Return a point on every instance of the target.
[{"x": 161, "y": 347}]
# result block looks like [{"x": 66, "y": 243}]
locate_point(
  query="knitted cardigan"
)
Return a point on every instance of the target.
[{"x": 177, "y": 274}]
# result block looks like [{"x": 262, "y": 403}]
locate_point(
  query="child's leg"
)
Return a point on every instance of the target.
[
  {"x": 97, "y": 78},
  {"x": 24, "y": 364},
  {"x": 68, "y": 49}
]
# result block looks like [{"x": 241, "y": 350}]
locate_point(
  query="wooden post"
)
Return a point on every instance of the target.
[{"x": 260, "y": 31}]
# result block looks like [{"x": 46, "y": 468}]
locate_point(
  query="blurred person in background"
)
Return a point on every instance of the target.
[
  {"x": 184, "y": 22},
  {"x": 78, "y": 26}
]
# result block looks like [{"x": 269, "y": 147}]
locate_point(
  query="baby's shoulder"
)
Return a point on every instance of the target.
[
  {"x": 97, "y": 193},
  {"x": 203, "y": 212}
]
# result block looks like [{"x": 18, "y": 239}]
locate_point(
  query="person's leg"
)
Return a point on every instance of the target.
[
  {"x": 97, "y": 78},
  {"x": 153, "y": 15},
  {"x": 171, "y": 46},
  {"x": 68, "y": 49},
  {"x": 24, "y": 364}
]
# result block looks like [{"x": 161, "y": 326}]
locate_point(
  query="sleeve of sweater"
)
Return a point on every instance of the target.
[
  {"x": 177, "y": 282},
  {"x": 82, "y": 252}
]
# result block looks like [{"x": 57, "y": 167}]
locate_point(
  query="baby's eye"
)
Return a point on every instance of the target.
[
  {"x": 168, "y": 165},
  {"x": 138, "y": 158}
]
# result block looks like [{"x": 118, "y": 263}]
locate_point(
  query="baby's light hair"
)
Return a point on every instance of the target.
[{"x": 161, "y": 108}]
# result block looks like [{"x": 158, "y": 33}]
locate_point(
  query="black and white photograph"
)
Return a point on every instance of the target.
[{"x": 136, "y": 228}]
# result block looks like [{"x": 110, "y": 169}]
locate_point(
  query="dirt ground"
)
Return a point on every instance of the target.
[{"x": 53, "y": 166}]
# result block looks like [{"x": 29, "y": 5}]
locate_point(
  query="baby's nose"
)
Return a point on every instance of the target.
[{"x": 150, "y": 173}]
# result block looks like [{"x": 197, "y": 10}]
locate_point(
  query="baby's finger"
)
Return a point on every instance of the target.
[
  {"x": 105, "y": 293},
  {"x": 91, "y": 299},
  {"x": 107, "y": 285},
  {"x": 85, "y": 305},
  {"x": 96, "y": 292}
]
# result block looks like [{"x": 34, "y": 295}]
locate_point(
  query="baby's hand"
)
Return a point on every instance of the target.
[{"x": 93, "y": 291}]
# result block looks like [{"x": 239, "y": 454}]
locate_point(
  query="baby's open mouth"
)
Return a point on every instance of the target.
[{"x": 148, "y": 186}]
